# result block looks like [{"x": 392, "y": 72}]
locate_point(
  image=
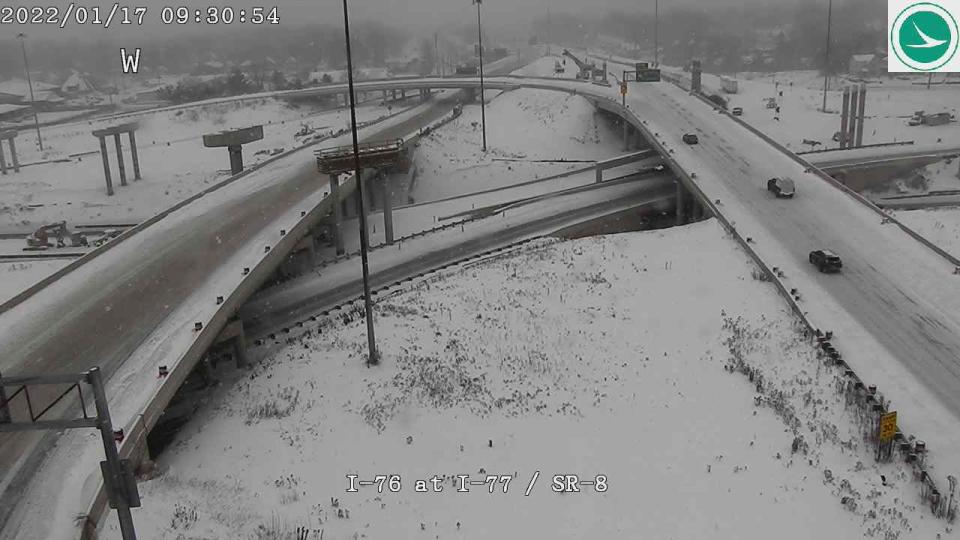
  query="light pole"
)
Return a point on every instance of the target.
[
  {"x": 483, "y": 105},
  {"x": 826, "y": 62},
  {"x": 26, "y": 67},
  {"x": 656, "y": 33},
  {"x": 374, "y": 357}
]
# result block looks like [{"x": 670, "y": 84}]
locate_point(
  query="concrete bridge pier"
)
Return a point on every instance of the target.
[
  {"x": 337, "y": 213},
  {"x": 470, "y": 95},
  {"x": 681, "y": 204},
  {"x": 425, "y": 95},
  {"x": 387, "y": 207},
  {"x": 9, "y": 136},
  {"x": 233, "y": 334}
]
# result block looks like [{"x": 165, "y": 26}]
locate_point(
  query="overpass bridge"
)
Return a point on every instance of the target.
[{"x": 136, "y": 308}]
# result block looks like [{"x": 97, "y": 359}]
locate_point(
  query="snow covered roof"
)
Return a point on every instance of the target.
[{"x": 77, "y": 83}]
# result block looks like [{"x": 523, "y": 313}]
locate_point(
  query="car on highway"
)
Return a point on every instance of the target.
[
  {"x": 825, "y": 260},
  {"x": 690, "y": 138},
  {"x": 737, "y": 111},
  {"x": 783, "y": 188}
]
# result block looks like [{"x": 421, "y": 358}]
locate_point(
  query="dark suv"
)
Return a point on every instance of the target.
[
  {"x": 691, "y": 138},
  {"x": 783, "y": 188},
  {"x": 826, "y": 260}
]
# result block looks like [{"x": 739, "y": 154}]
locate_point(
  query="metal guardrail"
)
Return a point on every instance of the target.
[
  {"x": 929, "y": 490},
  {"x": 877, "y": 145}
]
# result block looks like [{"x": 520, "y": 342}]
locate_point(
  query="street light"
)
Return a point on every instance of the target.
[
  {"x": 26, "y": 67},
  {"x": 483, "y": 106},
  {"x": 826, "y": 62},
  {"x": 374, "y": 357}
]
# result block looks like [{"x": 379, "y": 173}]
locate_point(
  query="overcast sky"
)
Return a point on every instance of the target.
[{"x": 413, "y": 13}]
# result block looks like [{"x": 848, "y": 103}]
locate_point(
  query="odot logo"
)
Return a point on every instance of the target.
[{"x": 923, "y": 36}]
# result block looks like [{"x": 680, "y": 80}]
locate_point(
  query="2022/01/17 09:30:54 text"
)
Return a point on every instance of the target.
[{"x": 135, "y": 15}]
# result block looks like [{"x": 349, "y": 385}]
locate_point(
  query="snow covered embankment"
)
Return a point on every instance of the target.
[{"x": 613, "y": 355}]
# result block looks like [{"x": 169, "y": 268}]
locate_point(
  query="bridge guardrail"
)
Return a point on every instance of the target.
[{"x": 929, "y": 491}]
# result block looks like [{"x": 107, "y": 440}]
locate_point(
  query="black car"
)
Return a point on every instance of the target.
[
  {"x": 783, "y": 188},
  {"x": 737, "y": 111},
  {"x": 691, "y": 138},
  {"x": 826, "y": 260}
]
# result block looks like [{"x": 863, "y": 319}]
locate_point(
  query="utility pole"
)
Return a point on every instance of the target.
[
  {"x": 483, "y": 105},
  {"x": 33, "y": 104},
  {"x": 436, "y": 53},
  {"x": 374, "y": 357},
  {"x": 656, "y": 33},
  {"x": 549, "y": 31},
  {"x": 826, "y": 62}
]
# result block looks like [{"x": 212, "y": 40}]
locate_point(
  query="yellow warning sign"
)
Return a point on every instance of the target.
[
  {"x": 623, "y": 89},
  {"x": 888, "y": 426}
]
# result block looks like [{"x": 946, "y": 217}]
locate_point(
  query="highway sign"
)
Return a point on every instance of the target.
[
  {"x": 888, "y": 426},
  {"x": 648, "y": 75}
]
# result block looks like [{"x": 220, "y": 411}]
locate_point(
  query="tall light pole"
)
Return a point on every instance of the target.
[
  {"x": 33, "y": 104},
  {"x": 826, "y": 62},
  {"x": 374, "y": 357},
  {"x": 483, "y": 105},
  {"x": 656, "y": 33}
]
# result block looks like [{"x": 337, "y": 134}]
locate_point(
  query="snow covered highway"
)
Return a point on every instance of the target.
[{"x": 895, "y": 306}]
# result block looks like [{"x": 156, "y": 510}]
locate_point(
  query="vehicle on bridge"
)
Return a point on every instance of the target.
[
  {"x": 737, "y": 111},
  {"x": 783, "y": 188},
  {"x": 467, "y": 68},
  {"x": 826, "y": 260},
  {"x": 691, "y": 138}
]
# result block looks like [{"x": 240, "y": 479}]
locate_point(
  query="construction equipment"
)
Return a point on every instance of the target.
[
  {"x": 40, "y": 239},
  {"x": 922, "y": 119}
]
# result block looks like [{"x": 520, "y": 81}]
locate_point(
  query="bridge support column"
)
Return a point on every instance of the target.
[
  {"x": 135, "y": 157},
  {"x": 106, "y": 165},
  {"x": 364, "y": 201},
  {"x": 387, "y": 208},
  {"x": 861, "y": 113},
  {"x": 851, "y": 134},
  {"x": 240, "y": 348},
  {"x": 845, "y": 118},
  {"x": 599, "y": 173},
  {"x": 123, "y": 170},
  {"x": 384, "y": 95},
  {"x": 337, "y": 218},
  {"x": 470, "y": 95},
  {"x": 681, "y": 204}
]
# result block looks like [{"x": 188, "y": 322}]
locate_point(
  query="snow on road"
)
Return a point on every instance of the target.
[{"x": 615, "y": 356}]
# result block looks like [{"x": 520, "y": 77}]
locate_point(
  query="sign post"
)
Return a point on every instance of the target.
[{"x": 886, "y": 431}]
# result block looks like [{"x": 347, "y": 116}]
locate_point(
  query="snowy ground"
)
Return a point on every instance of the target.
[
  {"x": 522, "y": 126},
  {"x": 18, "y": 276},
  {"x": 614, "y": 356},
  {"x": 939, "y": 225},
  {"x": 889, "y": 105},
  {"x": 173, "y": 160}
]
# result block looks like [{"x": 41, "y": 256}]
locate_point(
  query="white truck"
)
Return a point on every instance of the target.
[{"x": 730, "y": 86}]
